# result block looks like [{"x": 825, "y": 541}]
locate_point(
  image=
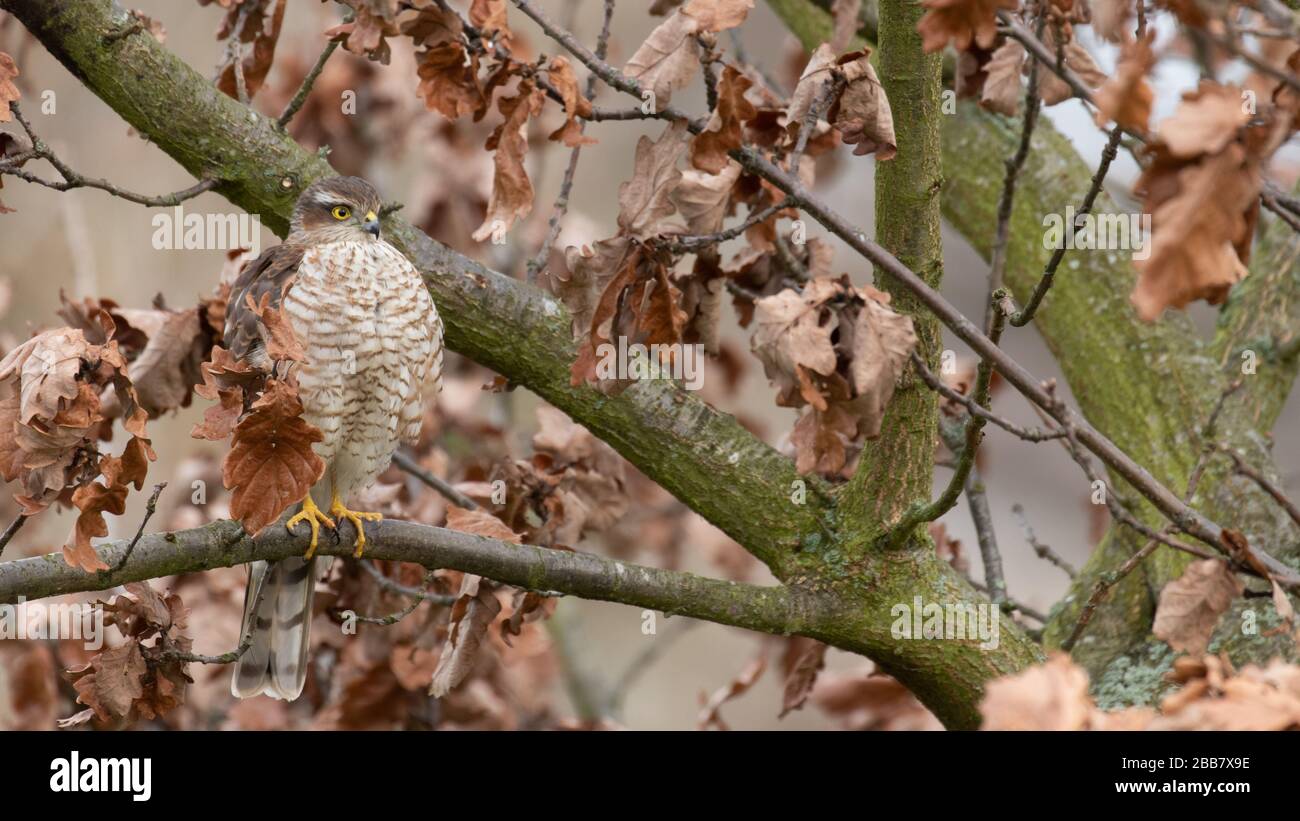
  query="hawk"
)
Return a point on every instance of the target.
[{"x": 373, "y": 344}]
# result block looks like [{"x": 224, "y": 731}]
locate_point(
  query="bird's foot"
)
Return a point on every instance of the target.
[
  {"x": 356, "y": 517},
  {"x": 313, "y": 516}
]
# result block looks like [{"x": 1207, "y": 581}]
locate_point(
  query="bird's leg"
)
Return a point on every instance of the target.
[
  {"x": 313, "y": 516},
  {"x": 355, "y": 517}
]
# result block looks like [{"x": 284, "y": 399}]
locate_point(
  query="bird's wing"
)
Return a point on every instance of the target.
[{"x": 271, "y": 273}]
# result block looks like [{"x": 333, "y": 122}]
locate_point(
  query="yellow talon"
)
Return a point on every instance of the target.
[
  {"x": 313, "y": 516},
  {"x": 355, "y": 517}
]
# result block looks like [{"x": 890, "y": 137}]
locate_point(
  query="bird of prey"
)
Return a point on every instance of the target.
[{"x": 373, "y": 344}]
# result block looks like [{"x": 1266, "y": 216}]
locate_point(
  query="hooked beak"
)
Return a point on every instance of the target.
[{"x": 371, "y": 225}]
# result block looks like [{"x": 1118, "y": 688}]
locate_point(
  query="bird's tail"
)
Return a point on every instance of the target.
[{"x": 277, "y": 627}]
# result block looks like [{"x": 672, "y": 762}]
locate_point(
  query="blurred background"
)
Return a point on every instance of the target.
[{"x": 88, "y": 244}]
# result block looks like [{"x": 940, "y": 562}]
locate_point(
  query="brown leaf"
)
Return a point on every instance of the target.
[
  {"x": 703, "y": 198},
  {"x": 1127, "y": 97},
  {"x": 1002, "y": 91},
  {"x": 1052, "y": 89},
  {"x": 490, "y": 17},
  {"x": 718, "y": 15},
  {"x": 471, "y": 616},
  {"x": 512, "y": 192},
  {"x": 1192, "y": 253},
  {"x": 263, "y": 32},
  {"x": 1190, "y": 606},
  {"x": 131, "y": 467},
  {"x": 645, "y": 201},
  {"x": 800, "y": 680},
  {"x": 366, "y": 34},
  {"x": 810, "y": 89},
  {"x": 271, "y": 463},
  {"x": 93, "y": 500},
  {"x": 282, "y": 344},
  {"x": 709, "y": 149},
  {"x": 165, "y": 372},
  {"x": 8, "y": 91},
  {"x": 862, "y": 114},
  {"x": 1110, "y": 19},
  {"x": 668, "y": 58},
  {"x": 560, "y": 72},
  {"x": 1205, "y": 122},
  {"x": 710, "y": 718},
  {"x": 1048, "y": 696},
  {"x": 962, "y": 22},
  {"x": 448, "y": 82},
  {"x": 112, "y": 681},
  {"x": 480, "y": 523}
]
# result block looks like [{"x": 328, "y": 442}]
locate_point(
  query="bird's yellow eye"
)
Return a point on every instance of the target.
[{"x": 341, "y": 212}]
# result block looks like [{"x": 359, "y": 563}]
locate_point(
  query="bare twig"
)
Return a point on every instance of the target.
[
  {"x": 13, "y": 528},
  {"x": 538, "y": 261},
  {"x": 1243, "y": 467},
  {"x": 1044, "y": 551},
  {"x": 412, "y": 467},
  {"x": 980, "y": 513},
  {"x": 305, "y": 87},
  {"x": 149, "y": 509},
  {"x": 936, "y": 384},
  {"x": 692, "y": 243},
  {"x": 71, "y": 179},
  {"x": 169, "y": 652}
]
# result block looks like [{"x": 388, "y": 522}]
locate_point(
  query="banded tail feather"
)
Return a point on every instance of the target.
[{"x": 277, "y": 625}]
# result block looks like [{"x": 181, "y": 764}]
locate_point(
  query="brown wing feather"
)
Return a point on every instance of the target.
[{"x": 271, "y": 273}]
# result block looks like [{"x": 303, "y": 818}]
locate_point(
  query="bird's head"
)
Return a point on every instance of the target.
[{"x": 337, "y": 209}]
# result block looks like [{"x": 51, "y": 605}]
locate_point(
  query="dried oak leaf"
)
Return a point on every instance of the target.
[
  {"x": 1110, "y": 18},
  {"x": 93, "y": 500},
  {"x": 1190, "y": 606},
  {"x": 480, "y": 523},
  {"x": 512, "y": 192},
  {"x": 1052, "y": 89},
  {"x": 645, "y": 201},
  {"x": 366, "y": 34},
  {"x": 282, "y": 344},
  {"x": 703, "y": 198},
  {"x": 112, "y": 681},
  {"x": 271, "y": 463},
  {"x": 1205, "y": 122},
  {"x": 560, "y": 72},
  {"x": 9, "y": 92},
  {"x": 962, "y": 22},
  {"x": 801, "y": 677},
  {"x": 1048, "y": 696},
  {"x": 862, "y": 114},
  {"x": 489, "y": 16},
  {"x": 710, "y": 718},
  {"x": 263, "y": 31},
  {"x": 449, "y": 82},
  {"x": 165, "y": 372},
  {"x": 475, "y": 609},
  {"x": 1002, "y": 91},
  {"x": 669, "y": 57},
  {"x": 724, "y": 132},
  {"x": 1196, "y": 230},
  {"x": 1127, "y": 97}
]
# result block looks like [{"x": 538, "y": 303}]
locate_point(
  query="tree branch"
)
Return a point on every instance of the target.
[{"x": 778, "y": 610}]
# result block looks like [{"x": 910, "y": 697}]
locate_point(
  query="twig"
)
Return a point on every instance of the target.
[
  {"x": 1006, "y": 201},
  {"x": 418, "y": 596},
  {"x": 538, "y": 261},
  {"x": 1043, "y": 551},
  {"x": 409, "y": 465},
  {"x": 197, "y": 658},
  {"x": 304, "y": 89},
  {"x": 691, "y": 243},
  {"x": 644, "y": 660},
  {"x": 980, "y": 513},
  {"x": 1022, "y": 317},
  {"x": 71, "y": 179},
  {"x": 149, "y": 508},
  {"x": 13, "y": 528},
  {"x": 936, "y": 384},
  {"x": 1103, "y": 586},
  {"x": 1243, "y": 468}
]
